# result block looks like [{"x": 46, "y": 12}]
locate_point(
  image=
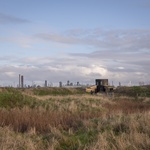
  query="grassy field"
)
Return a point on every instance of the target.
[{"x": 70, "y": 119}]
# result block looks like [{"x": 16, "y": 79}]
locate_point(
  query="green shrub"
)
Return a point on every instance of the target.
[
  {"x": 77, "y": 141},
  {"x": 134, "y": 91},
  {"x": 56, "y": 91},
  {"x": 12, "y": 98}
]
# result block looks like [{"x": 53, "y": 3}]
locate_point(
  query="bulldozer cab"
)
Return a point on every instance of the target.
[{"x": 101, "y": 83}]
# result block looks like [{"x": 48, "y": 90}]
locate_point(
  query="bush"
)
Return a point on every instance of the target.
[
  {"x": 56, "y": 91},
  {"x": 11, "y": 98},
  {"x": 135, "y": 91}
]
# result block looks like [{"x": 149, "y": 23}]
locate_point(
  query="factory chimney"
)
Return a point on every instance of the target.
[
  {"x": 45, "y": 83},
  {"x": 22, "y": 81},
  {"x": 19, "y": 80}
]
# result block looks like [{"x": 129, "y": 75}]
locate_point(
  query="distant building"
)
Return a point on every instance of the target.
[
  {"x": 45, "y": 83},
  {"x": 60, "y": 84},
  {"x": 22, "y": 81},
  {"x": 68, "y": 83}
]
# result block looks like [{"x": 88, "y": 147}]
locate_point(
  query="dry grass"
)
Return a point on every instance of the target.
[
  {"x": 127, "y": 107},
  {"x": 76, "y": 122},
  {"x": 128, "y": 132},
  {"x": 10, "y": 140}
]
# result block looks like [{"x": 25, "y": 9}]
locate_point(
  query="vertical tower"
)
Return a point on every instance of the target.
[
  {"x": 22, "y": 81},
  {"x": 19, "y": 80},
  {"x": 68, "y": 83},
  {"x": 45, "y": 83},
  {"x": 119, "y": 83},
  {"x": 60, "y": 84}
]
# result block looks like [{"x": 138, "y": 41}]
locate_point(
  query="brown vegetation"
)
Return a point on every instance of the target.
[{"x": 72, "y": 122}]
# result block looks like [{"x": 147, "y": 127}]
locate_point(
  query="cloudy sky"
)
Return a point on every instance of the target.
[{"x": 75, "y": 40}]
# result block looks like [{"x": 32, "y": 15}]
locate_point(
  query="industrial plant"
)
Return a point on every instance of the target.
[{"x": 100, "y": 85}]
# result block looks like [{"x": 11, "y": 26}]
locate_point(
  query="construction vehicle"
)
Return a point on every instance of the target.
[
  {"x": 91, "y": 89},
  {"x": 101, "y": 86}
]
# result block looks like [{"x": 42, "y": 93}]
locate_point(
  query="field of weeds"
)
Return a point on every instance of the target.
[{"x": 69, "y": 119}]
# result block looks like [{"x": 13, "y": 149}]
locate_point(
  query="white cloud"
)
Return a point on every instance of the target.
[
  {"x": 120, "y": 68},
  {"x": 93, "y": 69},
  {"x": 121, "y": 56},
  {"x": 73, "y": 70},
  {"x": 10, "y": 74},
  {"x": 118, "y": 39}
]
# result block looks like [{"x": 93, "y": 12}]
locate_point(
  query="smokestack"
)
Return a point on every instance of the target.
[
  {"x": 22, "y": 81},
  {"x": 19, "y": 80},
  {"x": 60, "y": 84},
  {"x": 45, "y": 83},
  {"x": 68, "y": 83}
]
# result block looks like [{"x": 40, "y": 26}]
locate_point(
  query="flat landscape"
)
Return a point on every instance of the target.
[{"x": 70, "y": 119}]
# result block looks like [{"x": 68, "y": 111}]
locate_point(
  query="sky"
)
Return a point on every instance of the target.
[{"x": 75, "y": 40}]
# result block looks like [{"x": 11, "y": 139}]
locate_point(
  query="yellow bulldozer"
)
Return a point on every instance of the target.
[
  {"x": 91, "y": 89},
  {"x": 101, "y": 86}
]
